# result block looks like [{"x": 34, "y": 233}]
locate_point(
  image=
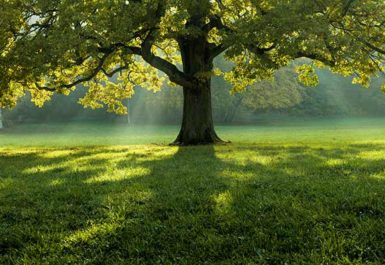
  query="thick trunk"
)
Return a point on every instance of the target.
[{"x": 197, "y": 124}]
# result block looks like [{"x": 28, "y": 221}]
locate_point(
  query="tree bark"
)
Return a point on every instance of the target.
[
  {"x": 197, "y": 123},
  {"x": 1, "y": 120}
]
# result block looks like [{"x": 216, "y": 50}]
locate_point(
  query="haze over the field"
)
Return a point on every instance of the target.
[
  {"x": 334, "y": 109},
  {"x": 280, "y": 101}
]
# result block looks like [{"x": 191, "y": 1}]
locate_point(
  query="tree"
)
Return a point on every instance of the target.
[
  {"x": 281, "y": 93},
  {"x": 1, "y": 120},
  {"x": 52, "y": 46}
]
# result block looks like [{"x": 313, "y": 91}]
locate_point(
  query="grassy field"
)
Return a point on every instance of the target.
[{"x": 300, "y": 193}]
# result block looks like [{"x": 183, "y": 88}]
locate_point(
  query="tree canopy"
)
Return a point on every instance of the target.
[{"x": 51, "y": 46}]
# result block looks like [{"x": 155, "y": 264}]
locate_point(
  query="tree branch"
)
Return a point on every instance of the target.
[
  {"x": 218, "y": 49},
  {"x": 113, "y": 72},
  {"x": 316, "y": 57},
  {"x": 372, "y": 46},
  {"x": 360, "y": 39},
  {"x": 80, "y": 80},
  {"x": 163, "y": 65},
  {"x": 347, "y": 7},
  {"x": 215, "y": 22}
]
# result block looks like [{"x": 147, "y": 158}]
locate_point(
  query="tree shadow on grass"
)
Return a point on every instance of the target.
[{"x": 228, "y": 204}]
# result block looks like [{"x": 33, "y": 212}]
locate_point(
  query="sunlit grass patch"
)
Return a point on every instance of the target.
[
  {"x": 86, "y": 234},
  {"x": 316, "y": 202},
  {"x": 223, "y": 202},
  {"x": 373, "y": 155},
  {"x": 119, "y": 175},
  {"x": 379, "y": 176},
  {"x": 56, "y": 182},
  {"x": 236, "y": 175}
]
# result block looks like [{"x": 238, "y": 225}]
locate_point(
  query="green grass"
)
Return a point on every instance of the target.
[{"x": 295, "y": 194}]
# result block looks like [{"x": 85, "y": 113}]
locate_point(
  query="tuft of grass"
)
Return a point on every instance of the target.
[{"x": 274, "y": 199}]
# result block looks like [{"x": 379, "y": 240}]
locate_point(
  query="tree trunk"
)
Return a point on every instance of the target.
[
  {"x": 128, "y": 113},
  {"x": 1, "y": 120},
  {"x": 197, "y": 123},
  {"x": 233, "y": 109}
]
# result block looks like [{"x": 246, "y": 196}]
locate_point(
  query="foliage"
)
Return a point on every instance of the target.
[
  {"x": 281, "y": 93},
  {"x": 51, "y": 46},
  {"x": 59, "y": 109},
  {"x": 336, "y": 96}
]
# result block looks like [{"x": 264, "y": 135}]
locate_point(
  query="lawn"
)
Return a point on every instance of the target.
[{"x": 299, "y": 193}]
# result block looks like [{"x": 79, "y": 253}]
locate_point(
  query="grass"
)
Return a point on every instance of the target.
[{"x": 279, "y": 194}]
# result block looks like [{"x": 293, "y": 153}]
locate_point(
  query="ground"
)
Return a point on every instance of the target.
[{"x": 298, "y": 193}]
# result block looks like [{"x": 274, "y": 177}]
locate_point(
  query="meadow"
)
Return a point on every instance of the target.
[{"x": 293, "y": 193}]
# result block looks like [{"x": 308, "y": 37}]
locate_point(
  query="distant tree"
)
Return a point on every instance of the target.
[
  {"x": 164, "y": 105},
  {"x": 1, "y": 119},
  {"x": 284, "y": 91},
  {"x": 52, "y": 46},
  {"x": 337, "y": 96}
]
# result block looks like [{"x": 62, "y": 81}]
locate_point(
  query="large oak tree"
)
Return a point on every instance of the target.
[{"x": 51, "y": 46}]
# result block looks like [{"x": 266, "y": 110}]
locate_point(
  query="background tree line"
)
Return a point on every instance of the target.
[{"x": 280, "y": 98}]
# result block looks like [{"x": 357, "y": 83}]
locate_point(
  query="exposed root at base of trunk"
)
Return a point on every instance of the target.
[{"x": 214, "y": 140}]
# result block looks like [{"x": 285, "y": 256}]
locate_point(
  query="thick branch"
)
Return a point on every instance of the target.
[
  {"x": 163, "y": 65},
  {"x": 218, "y": 49},
  {"x": 315, "y": 57},
  {"x": 347, "y": 7},
  {"x": 216, "y": 22}
]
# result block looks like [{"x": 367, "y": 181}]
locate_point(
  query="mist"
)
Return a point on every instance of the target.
[{"x": 272, "y": 102}]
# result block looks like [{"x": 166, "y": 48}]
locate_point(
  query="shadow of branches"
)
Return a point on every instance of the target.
[{"x": 230, "y": 204}]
